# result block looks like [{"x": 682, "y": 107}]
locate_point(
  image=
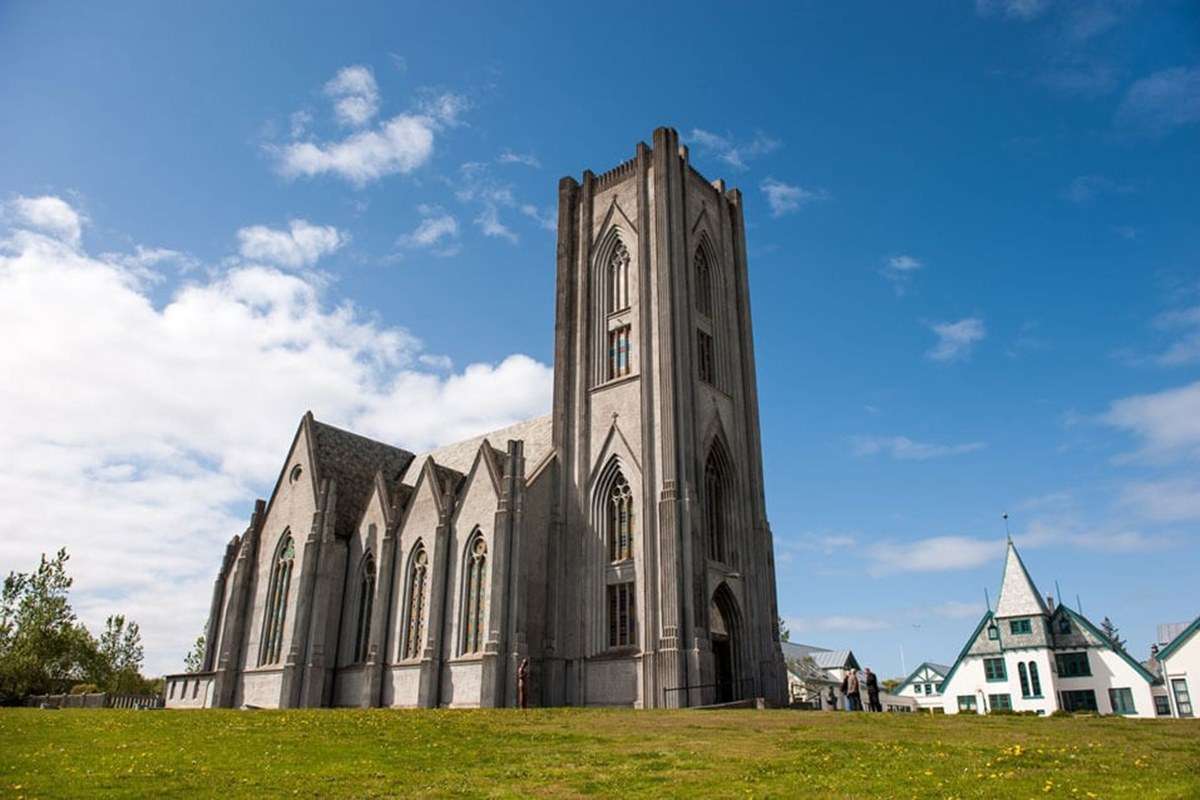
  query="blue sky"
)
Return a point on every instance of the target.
[{"x": 973, "y": 235}]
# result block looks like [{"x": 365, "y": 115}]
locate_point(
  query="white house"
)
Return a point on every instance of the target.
[
  {"x": 924, "y": 685},
  {"x": 1033, "y": 655},
  {"x": 1178, "y": 662}
]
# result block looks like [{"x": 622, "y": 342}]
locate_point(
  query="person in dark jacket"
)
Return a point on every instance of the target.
[{"x": 873, "y": 691}]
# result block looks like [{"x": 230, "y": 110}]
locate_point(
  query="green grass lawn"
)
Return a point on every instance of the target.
[{"x": 377, "y": 753}]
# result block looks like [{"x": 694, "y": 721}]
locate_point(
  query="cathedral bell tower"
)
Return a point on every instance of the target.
[{"x": 661, "y": 575}]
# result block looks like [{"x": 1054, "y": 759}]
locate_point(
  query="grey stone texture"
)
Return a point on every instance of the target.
[{"x": 530, "y": 498}]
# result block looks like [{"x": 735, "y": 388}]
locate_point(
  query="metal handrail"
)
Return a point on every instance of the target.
[{"x": 739, "y": 685}]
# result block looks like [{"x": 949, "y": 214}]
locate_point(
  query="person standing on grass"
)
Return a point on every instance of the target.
[
  {"x": 850, "y": 689},
  {"x": 873, "y": 691},
  {"x": 832, "y": 700},
  {"x": 523, "y": 684}
]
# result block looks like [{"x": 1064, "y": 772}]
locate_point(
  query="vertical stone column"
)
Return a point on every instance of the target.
[
  {"x": 215, "y": 608},
  {"x": 326, "y": 613},
  {"x": 517, "y": 574},
  {"x": 493, "y": 669},
  {"x": 232, "y": 643},
  {"x": 430, "y": 684},
  {"x": 290, "y": 695},
  {"x": 380, "y": 647}
]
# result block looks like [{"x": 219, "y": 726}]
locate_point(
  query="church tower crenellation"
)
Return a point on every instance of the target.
[{"x": 620, "y": 543}]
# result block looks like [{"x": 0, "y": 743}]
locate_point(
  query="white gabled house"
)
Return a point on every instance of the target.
[
  {"x": 925, "y": 685},
  {"x": 1178, "y": 664},
  {"x": 1031, "y": 654}
]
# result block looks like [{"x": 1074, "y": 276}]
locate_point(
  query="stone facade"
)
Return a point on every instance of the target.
[{"x": 619, "y": 543}]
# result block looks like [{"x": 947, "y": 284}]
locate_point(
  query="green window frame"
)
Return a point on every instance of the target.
[
  {"x": 1020, "y": 626},
  {"x": 1073, "y": 665},
  {"x": 929, "y": 688},
  {"x": 994, "y": 669},
  {"x": 1034, "y": 683},
  {"x": 1000, "y": 702},
  {"x": 1121, "y": 701},
  {"x": 1162, "y": 705},
  {"x": 1183, "y": 698},
  {"x": 966, "y": 702},
  {"x": 917, "y": 688},
  {"x": 1079, "y": 700}
]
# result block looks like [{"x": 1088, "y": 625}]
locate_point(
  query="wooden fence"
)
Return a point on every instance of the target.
[{"x": 94, "y": 700}]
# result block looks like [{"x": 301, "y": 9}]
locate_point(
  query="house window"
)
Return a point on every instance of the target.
[
  {"x": 620, "y": 615},
  {"x": 704, "y": 284},
  {"x": 1121, "y": 701},
  {"x": 1019, "y": 626},
  {"x": 704, "y": 352},
  {"x": 966, "y": 702},
  {"x": 1000, "y": 702},
  {"x": 1023, "y": 674},
  {"x": 618, "y": 352},
  {"x": 366, "y": 599},
  {"x": 414, "y": 625},
  {"x": 1162, "y": 705},
  {"x": 1183, "y": 698},
  {"x": 270, "y": 648},
  {"x": 1064, "y": 625},
  {"x": 473, "y": 588},
  {"x": 1072, "y": 665},
  {"x": 618, "y": 279},
  {"x": 993, "y": 668},
  {"x": 620, "y": 520},
  {"x": 928, "y": 688},
  {"x": 1079, "y": 700},
  {"x": 917, "y": 688},
  {"x": 1034, "y": 683}
]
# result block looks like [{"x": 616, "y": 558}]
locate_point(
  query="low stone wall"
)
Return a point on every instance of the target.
[{"x": 94, "y": 700}]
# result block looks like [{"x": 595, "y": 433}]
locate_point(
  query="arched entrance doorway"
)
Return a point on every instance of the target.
[{"x": 723, "y": 631}]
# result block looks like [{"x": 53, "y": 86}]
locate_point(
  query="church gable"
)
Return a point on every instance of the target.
[
  {"x": 479, "y": 496},
  {"x": 1018, "y": 595}
]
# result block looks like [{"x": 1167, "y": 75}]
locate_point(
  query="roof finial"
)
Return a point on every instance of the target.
[{"x": 1007, "y": 534}]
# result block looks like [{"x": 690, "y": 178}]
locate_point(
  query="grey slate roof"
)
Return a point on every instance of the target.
[
  {"x": 353, "y": 460},
  {"x": 822, "y": 657}
]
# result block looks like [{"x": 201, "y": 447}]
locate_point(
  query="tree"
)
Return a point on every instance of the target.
[
  {"x": 889, "y": 685},
  {"x": 1109, "y": 629},
  {"x": 784, "y": 634},
  {"x": 121, "y": 656},
  {"x": 43, "y": 648},
  {"x": 194, "y": 660}
]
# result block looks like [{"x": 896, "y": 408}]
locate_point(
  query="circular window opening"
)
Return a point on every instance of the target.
[{"x": 297, "y": 471}]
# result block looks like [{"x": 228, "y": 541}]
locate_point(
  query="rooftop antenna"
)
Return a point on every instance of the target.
[
  {"x": 1007, "y": 534},
  {"x": 987, "y": 599},
  {"x": 1079, "y": 605},
  {"x": 1057, "y": 591}
]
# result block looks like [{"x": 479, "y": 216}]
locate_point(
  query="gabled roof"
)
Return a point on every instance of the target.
[
  {"x": 353, "y": 461},
  {"x": 822, "y": 657},
  {"x": 987, "y": 617},
  {"x": 1177, "y": 642},
  {"x": 798, "y": 651},
  {"x": 940, "y": 669},
  {"x": 1019, "y": 597},
  {"x": 1105, "y": 642}
]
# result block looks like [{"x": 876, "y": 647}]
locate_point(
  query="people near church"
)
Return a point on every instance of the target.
[
  {"x": 523, "y": 684},
  {"x": 850, "y": 688},
  {"x": 872, "y": 681}
]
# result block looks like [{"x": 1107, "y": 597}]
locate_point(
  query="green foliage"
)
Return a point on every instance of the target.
[
  {"x": 333, "y": 753},
  {"x": 785, "y": 635},
  {"x": 194, "y": 660},
  {"x": 890, "y": 685},
  {"x": 1110, "y": 631},
  {"x": 85, "y": 688}
]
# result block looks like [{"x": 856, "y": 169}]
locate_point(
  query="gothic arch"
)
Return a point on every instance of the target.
[
  {"x": 613, "y": 288},
  {"x": 710, "y": 300},
  {"x": 416, "y": 602},
  {"x": 614, "y": 512},
  {"x": 283, "y": 562},
  {"x": 474, "y": 594},
  {"x": 719, "y": 500},
  {"x": 726, "y": 635},
  {"x": 366, "y": 603}
]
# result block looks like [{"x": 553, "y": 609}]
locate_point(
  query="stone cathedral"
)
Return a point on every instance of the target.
[{"x": 619, "y": 543}]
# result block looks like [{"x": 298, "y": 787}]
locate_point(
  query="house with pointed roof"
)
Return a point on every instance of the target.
[
  {"x": 1176, "y": 660},
  {"x": 924, "y": 684},
  {"x": 1032, "y": 654}
]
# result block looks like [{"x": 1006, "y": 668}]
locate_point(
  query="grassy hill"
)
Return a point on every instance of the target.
[{"x": 377, "y": 753}]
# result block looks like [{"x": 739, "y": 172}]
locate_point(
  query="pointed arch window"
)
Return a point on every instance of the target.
[
  {"x": 620, "y": 520},
  {"x": 704, "y": 283},
  {"x": 716, "y": 504},
  {"x": 366, "y": 600},
  {"x": 414, "y": 624},
  {"x": 473, "y": 590},
  {"x": 618, "y": 279},
  {"x": 1024, "y": 676},
  {"x": 1034, "y": 683},
  {"x": 277, "y": 601}
]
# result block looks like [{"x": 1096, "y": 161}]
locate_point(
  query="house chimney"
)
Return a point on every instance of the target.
[
  {"x": 1050, "y": 601},
  {"x": 1154, "y": 651}
]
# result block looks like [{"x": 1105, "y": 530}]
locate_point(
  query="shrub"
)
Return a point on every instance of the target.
[{"x": 85, "y": 688}]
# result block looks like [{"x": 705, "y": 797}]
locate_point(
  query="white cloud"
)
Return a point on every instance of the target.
[
  {"x": 899, "y": 270},
  {"x": 399, "y": 146},
  {"x": 546, "y": 219},
  {"x": 732, "y": 152},
  {"x": 489, "y": 222},
  {"x": 1186, "y": 349},
  {"x": 355, "y": 96},
  {"x": 300, "y": 246},
  {"x": 1166, "y": 100},
  {"x": 525, "y": 159},
  {"x": 437, "y": 231},
  {"x": 933, "y": 554},
  {"x": 51, "y": 215},
  {"x": 148, "y": 426},
  {"x": 1171, "y": 500},
  {"x": 957, "y": 609},
  {"x": 444, "y": 108},
  {"x": 956, "y": 340},
  {"x": 902, "y": 448},
  {"x": 836, "y": 623},
  {"x": 476, "y": 185},
  {"x": 784, "y": 198},
  {"x": 1167, "y": 422},
  {"x": 1012, "y": 9}
]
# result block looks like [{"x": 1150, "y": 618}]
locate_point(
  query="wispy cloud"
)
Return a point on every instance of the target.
[
  {"x": 299, "y": 246},
  {"x": 733, "y": 152},
  {"x": 899, "y": 270},
  {"x": 956, "y": 340},
  {"x": 51, "y": 215},
  {"x": 1023, "y": 10},
  {"x": 1169, "y": 500},
  {"x": 784, "y": 198},
  {"x": 902, "y": 448},
  {"x": 1085, "y": 188},
  {"x": 355, "y": 96},
  {"x": 1186, "y": 348},
  {"x": 840, "y": 623},
  {"x": 525, "y": 159},
  {"x": 933, "y": 554},
  {"x": 437, "y": 232},
  {"x": 1162, "y": 102},
  {"x": 1167, "y": 423}
]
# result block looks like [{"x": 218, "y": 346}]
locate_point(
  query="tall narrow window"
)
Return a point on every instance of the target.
[
  {"x": 620, "y": 520},
  {"x": 473, "y": 596},
  {"x": 620, "y": 615},
  {"x": 277, "y": 602},
  {"x": 618, "y": 279},
  {"x": 414, "y": 625},
  {"x": 366, "y": 599},
  {"x": 1034, "y": 683},
  {"x": 704, "y": 284},
  {"x": 704, "y": 356},
  {"x": 1024, "y": 675},
  {"x": 618, "y": 352},
  {"x": 716, "y": 504}
]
